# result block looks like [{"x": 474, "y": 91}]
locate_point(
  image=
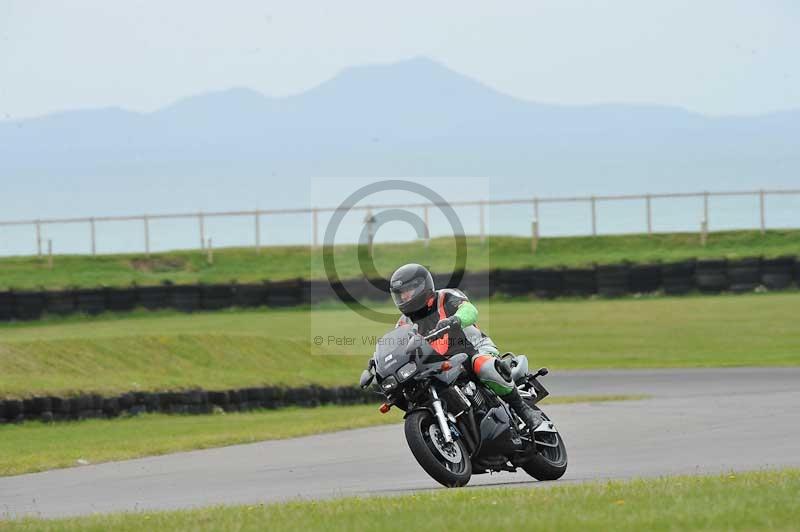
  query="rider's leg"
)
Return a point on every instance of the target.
[{"x": 496, "y": 376}]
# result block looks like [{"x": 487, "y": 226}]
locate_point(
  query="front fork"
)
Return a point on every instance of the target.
[{"x": 440, "y": 417}]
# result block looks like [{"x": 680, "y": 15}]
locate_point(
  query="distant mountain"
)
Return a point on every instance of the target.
[{"x": 415, "y": 118}]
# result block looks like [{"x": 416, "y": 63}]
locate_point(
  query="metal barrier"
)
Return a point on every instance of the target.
[{"x": 759, "y": 197}]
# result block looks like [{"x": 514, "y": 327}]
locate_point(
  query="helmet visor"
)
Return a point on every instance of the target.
[{"x": 408, "y": 291}]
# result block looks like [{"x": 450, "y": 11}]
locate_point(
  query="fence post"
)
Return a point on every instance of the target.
[
  {"x": 483, "y": 222},
  {"x": 202, "y": 225},
  {"x": 210, "y": 251},
  {"x": 369, "y": 219},
  {"x": 39, "y": 238},
  {"x": 314, "y": 223},
  {"x": 94, "y": 239},
  {"x": 703, "y": 232},
  {"x": 594, "y": 216},
  {"x": 50, "y": 253},
  {"x": 146, "y": 221},
  {"x": 649, "y": 215},
  {"x": 427, "y": 226},
  {"x": 534, "y": 235},
  {"x": 258, "y": 232},
  {"x": 705, "y": 208},
  {"x": 762, "y": 211}
]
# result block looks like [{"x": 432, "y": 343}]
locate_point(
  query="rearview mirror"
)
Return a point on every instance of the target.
[
  {"x": 366, "y": 378},
  {"x": 413, "y": 343}
]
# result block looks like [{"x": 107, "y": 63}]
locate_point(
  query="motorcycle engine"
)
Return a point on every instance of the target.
[{"x": 475, "y": 394}]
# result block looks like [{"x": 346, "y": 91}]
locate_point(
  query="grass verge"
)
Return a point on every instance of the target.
[
  {"x": 274, "y": 263},
  {"x": 232, "y": 349},
  {"x": 32, "y": 447},
  {"x": 743, "y": 501}
]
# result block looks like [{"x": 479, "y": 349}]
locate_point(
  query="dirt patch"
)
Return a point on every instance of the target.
[{"x": 159, "y": 265}]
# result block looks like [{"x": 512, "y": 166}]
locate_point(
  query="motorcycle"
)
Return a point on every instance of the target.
[{"x": 454, "y": 426}]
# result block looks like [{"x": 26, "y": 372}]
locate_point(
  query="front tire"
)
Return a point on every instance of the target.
[
  {"x": 447, "y": 464},
  {"x": 550, "y": 461}
]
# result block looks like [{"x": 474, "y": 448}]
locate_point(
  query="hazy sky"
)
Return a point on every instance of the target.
[{"x": 716, "y": 56}]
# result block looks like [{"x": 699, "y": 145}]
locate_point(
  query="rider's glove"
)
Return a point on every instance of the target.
[{"x": 453, "y": 322}]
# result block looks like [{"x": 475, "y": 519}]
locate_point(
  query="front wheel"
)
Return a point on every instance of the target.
[
  {"x": 550, "y": 461},
  {"x": 447, "y": 463}
]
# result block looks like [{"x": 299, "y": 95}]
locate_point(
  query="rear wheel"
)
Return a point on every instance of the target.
[
  {"x": 447, "y": 463},
  {"x": 550, "y": 461}
]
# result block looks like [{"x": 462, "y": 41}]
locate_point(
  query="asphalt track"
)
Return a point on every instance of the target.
[{"x": 695, "y": 421}]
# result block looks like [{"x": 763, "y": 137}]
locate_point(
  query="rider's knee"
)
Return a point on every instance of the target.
[{"x": 491, "y": 371}]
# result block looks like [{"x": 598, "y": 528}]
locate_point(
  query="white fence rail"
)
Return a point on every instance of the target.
[{"x": 759, "y": 199}]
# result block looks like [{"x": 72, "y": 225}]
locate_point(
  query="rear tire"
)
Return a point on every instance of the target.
[
  {"x": 418, "y": 435},
  {"x": 550, "y": 461}
]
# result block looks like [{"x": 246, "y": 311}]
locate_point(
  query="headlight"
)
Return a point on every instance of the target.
[
  {"x": 406, "y": 371},
  {"x": 389, "y": 384}
]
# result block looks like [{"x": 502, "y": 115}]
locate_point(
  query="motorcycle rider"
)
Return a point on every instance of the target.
[{"x": 420, "y": 303}]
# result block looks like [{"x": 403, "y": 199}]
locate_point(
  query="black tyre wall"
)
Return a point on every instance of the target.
[
  {"x": 712, "y": 276},
  {"x": 121, "y": 299},
  {"x": 580, "y": 282},
  {"x": 215, "y": 297},
  {"x": 778, "y": 273},
  {"x": 285, "y": 293},
  {"x": 514, "y": 282},
  {"x": 481, "y": 284},
  {"x": 185, "y": 298},
  {"x": 548, "y": 283},
  {"x": 28, "y": 305},
  {"x": 645, "y": 278},
  {"x": 744, "y": 275},
  {"x": 90, "y": 301},
  {"x": 154, "y": 297},
  {"x": 613, "y": 280},
  {"x": 6, "y": 306},
  {"x": 61, "y": 303},
  {"x": 678, "y": 277}
]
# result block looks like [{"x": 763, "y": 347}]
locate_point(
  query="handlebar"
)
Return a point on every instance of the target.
[{"x": 434, "y": 334}]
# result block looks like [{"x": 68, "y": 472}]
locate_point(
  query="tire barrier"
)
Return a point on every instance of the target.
[
  {"x": 29, "y": 305},
  {"x": 674, "y": 278},
  {"x": 90, "y": 302},
  {"x": 613, "y": 280},
  {"x": 797, "y": 273},
  {"x": 645, "y": 278},
  {"x": 678, "y": 278},
  {"x": 285, "y": 293},
  {"x": 481, "y": 284},
  {"x": 185, "y": 298},
  {"x": 121, "y": 300},
  {"x": 90, "y": 406},
  {"x": 153, "y": 297},
  {"x": 711, "y": 276},
  {"x": 580, "y": 282},
  {"x": 744, "y": 275},
  {"x": 547, "y": 283},
  {"x": 60, "y": 303},
  {"x": 776, "y": 274},
  {"x": 7, "y": 307},
  {"x": 249, "y": 295},
  {"x": 510, "y": 281}
]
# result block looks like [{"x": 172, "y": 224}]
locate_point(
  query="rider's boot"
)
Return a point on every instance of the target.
[{"x": 531, "y": 417}]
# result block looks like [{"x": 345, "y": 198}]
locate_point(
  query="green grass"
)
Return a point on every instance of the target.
[
  {"x": 742, "y": 501},
  {"x": 233, "y": 349},
  {"x": 273, "y": 263},
  {"x": 31, "y": 447}
]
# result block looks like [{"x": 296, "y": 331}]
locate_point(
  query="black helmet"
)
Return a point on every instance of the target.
[{"x": 411, "y": 287}]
